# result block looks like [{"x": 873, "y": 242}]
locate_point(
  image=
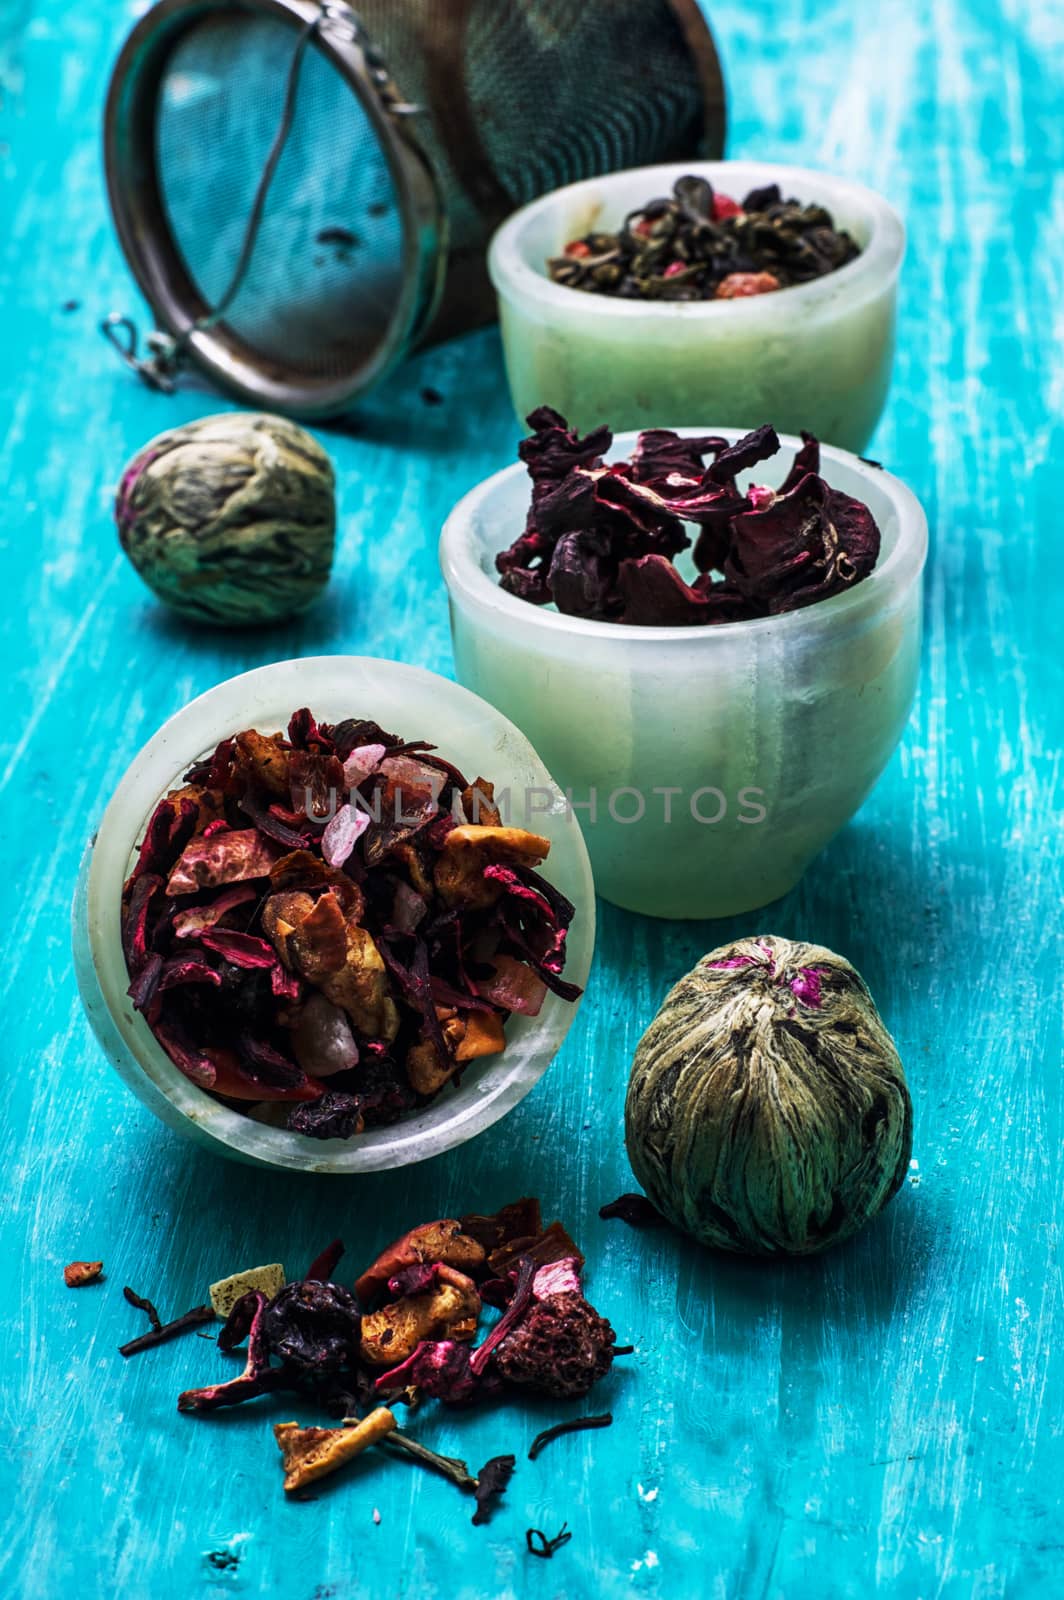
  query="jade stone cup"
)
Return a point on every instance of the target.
[
  {"x": 707, "y": 766},
  {"x": 816, "y": 356},
  {"x": 411, "y": 701}
]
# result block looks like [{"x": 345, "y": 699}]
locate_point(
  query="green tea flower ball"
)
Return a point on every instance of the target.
[
  {"x": 231, "y": 519},
  {"x": 767, "y": 1109}
]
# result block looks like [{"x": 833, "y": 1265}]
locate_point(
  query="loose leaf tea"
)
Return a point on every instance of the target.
[
  {"x": 167, "y": 1330},
  {"x": 492, "y": 1480},
  {"x": 699, "y": 244},
  {"x": 600, "y": 540},
  {"x": 335, "y": 966},
  {"x": 540, "y": 1545},
  {"x": 142, "y": 1304},
  {"x": 573, "y": 1425},
  {"x": 634, "y": 1209},
  {"x": 409, "y": 1334}
]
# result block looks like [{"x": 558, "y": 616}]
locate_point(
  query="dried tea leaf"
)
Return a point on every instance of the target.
[{"x": 492, "y": 1480}]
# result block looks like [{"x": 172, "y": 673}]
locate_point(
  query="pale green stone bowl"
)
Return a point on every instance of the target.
[
  {"x": 412, "y": 702},
  {"x": 817, "y": 356},
  {"x": 770, "y": 734}
]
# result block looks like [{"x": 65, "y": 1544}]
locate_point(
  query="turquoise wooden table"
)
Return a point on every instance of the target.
[{"x": 889, "y": 1418}]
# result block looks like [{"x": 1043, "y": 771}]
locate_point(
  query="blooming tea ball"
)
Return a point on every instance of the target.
[
  {"x": 230, "y": 519},
  {"x": 767, "y": 1109}
]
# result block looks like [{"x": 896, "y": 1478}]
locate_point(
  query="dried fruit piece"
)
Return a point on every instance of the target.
[
  {"x": 561, "y": 1347},
  {"x": 312, "y": 1453},
  {"x": 334, "y": 1116},
  {"x": 449, "y": 1308},
  {"x": 469, "y": 849},
  {"x": 226, "y": 1292},
  {"x": 224, "y": 858},
  {"x": 79, "y": 1273},
  {"x": 442, "y": 1241},
  {"x": 742, "y": 285}
]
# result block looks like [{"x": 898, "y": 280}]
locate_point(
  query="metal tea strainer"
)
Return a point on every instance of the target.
[{"x": 304, "y": 192}]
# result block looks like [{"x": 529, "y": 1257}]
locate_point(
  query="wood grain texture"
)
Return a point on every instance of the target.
[{"x": 886, "y": 1418}]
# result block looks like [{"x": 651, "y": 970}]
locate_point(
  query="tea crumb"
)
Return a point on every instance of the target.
[{"x": 79, "y": 1273}]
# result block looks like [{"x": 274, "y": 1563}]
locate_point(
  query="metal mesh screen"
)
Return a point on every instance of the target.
[
  {"x": 527, "y": 95},
  {"x": 327, "y": 262},
  {"x": 393, "y": 171}
]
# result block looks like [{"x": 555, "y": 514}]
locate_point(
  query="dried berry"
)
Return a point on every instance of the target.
[
  {"x": 562, "y": 1347},
  {"x": 313, "y": 1327},
  {"x": 334, "y": 1116}
]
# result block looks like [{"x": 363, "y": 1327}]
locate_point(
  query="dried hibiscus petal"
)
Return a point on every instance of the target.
[
  {"x": 246, "y": 1320},
  {"x": 600, "y": 540},
  {"x": 655, "y": 595},
  {"x": 239, "y": 949},
  {"x": 802, "y": 546}
]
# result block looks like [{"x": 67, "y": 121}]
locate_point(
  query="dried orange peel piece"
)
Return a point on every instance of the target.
[
  {"x": 448, "y": 1311},
  {"x": 312, "y": 1453},
  {"x": 441, "y": 1241},
  {"x": 79, "y": 1273},
  {"x": 459, "y": 872}
]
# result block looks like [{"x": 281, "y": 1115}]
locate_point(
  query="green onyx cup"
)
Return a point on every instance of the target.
[
  {"x": 817, "y": 356},
  {"x": 400, "y": 696},
  {"x": 706, "y": 766}
]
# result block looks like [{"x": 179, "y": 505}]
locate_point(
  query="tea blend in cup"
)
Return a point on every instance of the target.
[
  {"x": 332, "y": 965},
  {"x": 700, "y": 244},
  {"x": 600, "y": 540}
]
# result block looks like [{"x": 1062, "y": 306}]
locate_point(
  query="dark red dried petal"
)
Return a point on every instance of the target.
[
  {"x": 655, "y": 595},
  {"x": 239, "y": 949}
]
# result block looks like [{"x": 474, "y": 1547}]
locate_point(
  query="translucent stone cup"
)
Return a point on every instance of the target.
[
  {"x": 816, "y": 356},
  {"x": 706, "y": 766},
  {"x": 409, "y": 701}
]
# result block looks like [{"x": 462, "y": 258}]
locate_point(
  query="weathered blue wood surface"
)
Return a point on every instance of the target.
[{"x": 887, "y": 1419}]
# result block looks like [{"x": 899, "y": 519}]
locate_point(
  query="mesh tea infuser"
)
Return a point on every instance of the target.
[{"x": 304, "y": 192}]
